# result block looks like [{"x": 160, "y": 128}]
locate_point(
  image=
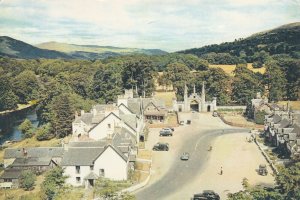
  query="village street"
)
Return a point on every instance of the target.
[{"x": 175, "y": 179}]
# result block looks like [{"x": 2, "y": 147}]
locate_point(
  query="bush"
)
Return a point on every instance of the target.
[
  {"x": 27, "y": 180},
  {"x": 44, "y": 132},
  {"x": 259, "y": 117},
  {"x": 53, "y": 181},
  {"x": 26, "y": 128}
]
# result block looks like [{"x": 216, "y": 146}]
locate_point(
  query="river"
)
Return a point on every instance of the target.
[{"x": 9, "y": 124}]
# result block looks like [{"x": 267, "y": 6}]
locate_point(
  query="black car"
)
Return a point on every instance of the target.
[
  {"x": 161, "y": 147},
  {"x": 206, "y": 195}
]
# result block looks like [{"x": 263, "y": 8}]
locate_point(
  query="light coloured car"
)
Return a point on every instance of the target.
[
  {"x": 168, "y": 129},
  {"x": 185, "y": 156}
]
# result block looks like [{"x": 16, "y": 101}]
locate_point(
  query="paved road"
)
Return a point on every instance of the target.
[{"x": 196, "y": 140}]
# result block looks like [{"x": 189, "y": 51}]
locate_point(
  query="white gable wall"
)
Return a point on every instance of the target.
[
  {"x": 70, "y": 171},
  {"x": 107, "y": 127},
  {"x": 79, "y": 128},
  {"x": 115, "y": 167},
  {"x": 104, "y": 128}
]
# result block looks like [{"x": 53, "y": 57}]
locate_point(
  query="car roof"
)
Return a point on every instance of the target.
[{"x": 208, "y": 191}]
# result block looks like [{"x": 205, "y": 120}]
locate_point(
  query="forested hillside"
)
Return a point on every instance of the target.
[{"x": 281, "y": 40}]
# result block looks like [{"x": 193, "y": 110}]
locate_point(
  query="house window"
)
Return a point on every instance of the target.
[
  {"x": 101, "y": 173},
  {"x": 109, "y": 125},
  {"x": 7, "y": 180},
  {"x": 92, "y": 167},
  {"x": 78, "y": 179},
  {"x": 77, "y": 169}
]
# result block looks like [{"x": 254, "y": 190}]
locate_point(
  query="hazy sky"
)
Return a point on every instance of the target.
[{"x": 166, "y": 24}]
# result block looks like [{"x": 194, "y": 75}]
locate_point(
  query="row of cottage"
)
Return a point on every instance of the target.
[
  {"x": 282, "y": 129},
  {"x": 281, "y": 125},
  {"x": 104, "y": 144}
]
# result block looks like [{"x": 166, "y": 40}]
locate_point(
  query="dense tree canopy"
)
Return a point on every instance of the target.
[
  {"x": 245, "y": 85},
  {"x": 139, "y": 73}
]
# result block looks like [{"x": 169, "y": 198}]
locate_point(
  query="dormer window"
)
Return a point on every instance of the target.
[{"x": 109, "y": 125}]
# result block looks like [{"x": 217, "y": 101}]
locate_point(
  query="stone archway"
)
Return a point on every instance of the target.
[{"x": 194, "y": 106}]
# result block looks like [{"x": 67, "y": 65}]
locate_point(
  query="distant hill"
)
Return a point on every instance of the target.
[
  {"x": 11, "y": 47},
  {"x": 17, "y": 49},
  {"x": 94, "y": 51},
  {"x": 282, "y": 40}
]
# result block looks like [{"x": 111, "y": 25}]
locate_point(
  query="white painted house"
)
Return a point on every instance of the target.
[
  {"x": 107, "y": 126},
  {"x": 83, "y": 165}
]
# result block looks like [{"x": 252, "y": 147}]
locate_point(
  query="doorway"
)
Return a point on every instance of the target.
[
  {"x": 208, "y": 108},
  {"x": 91, "y": 182}
]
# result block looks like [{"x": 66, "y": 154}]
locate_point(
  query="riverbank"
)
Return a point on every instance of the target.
[{"x": 20, "y": 107}]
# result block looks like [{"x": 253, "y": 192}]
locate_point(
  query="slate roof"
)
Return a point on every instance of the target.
[
  {"x": 276, "y": 118},
  {"x": 134, "y": 106},
  {"x": 23, "y": 162},
  {"x": 11, "y": 174},
  {"x": 85, "y": 156},
  {"x": 121, "y": 140},
  {"x": 284, "y": 123},
  {"x": 86, "y": 118},
  {"x": 81, "y": 156},
  {"x": 130, "y": 119},
  {"x": 296, "y": 118},
  {"x": 99, "y": 144},
  {"x": 296, "y": 129},
  {"x": 292, "y": 136},
  {"x": 37, "y": 152}
]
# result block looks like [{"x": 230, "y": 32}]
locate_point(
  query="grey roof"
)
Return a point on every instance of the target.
[
  {"x": 121, "y": 141},
  {"x": 296, "y": 129},
  {"x": 34, "y": 152},
  {"x": 99, "y": 144},
  {"x": 134, "y": 106},
  {"x": 87, "y": 118},
  {"x": 284, "y": 123},
  {"x": 23, "y": 162},
  {"x": 292, "y": 136},
  {"x": 130, "y": 119},
  {"x": 97, "y": 118},
  {"x": 85, "y": 156},
  {"x": 127, "y": 134},
  {"x": 296, "y": 118},
  {"x": 91, "y": 175},
  {"x": 11, "y": 173},
  {"x": 276, "y": 118},
  {"x": 104, "y": 107},
  {"x": 81, "y": 156}
]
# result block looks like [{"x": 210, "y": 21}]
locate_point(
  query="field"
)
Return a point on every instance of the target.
[
  {"x": 230, "y": 68},
  {"x": 166, "y": 96},
  {"x": 295, "y": 105}
]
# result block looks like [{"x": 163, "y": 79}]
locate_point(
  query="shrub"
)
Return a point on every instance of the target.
[{"x": 27, "y": 180}]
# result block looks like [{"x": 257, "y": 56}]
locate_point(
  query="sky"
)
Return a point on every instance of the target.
[{"x": 169, "y": 25}]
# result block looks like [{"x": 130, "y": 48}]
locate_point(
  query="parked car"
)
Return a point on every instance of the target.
[
  {"x": 215, "y": 114},
  {"x": 165, "y": 133},
  {"x": 169, "y": 129},
  {"x": 161, "y": 147},
  {"x": 206, "y": 195},
  {"x": 262, "y": 170},
  {"x": 185, "y": 156}
]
